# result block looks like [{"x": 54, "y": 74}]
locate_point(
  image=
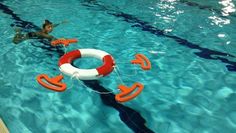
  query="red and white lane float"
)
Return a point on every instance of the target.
[{"x": 66, "y": 67}]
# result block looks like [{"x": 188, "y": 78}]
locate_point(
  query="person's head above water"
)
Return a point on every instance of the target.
[{"x": 47, "y": 26}]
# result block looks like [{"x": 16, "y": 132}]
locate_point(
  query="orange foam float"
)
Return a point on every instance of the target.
[
  {"x": 65, "y": 42},
  {"x": 143, "y": 61},
  {"x": 126, "y": 92},
  {"x": 55, "y": 83}
]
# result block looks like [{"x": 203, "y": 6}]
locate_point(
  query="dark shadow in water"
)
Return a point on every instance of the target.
[
  {"x": 130, "y": 117},
  {"x": 145, "y": 26}
]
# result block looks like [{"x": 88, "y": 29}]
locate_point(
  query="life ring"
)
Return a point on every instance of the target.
[{"x": 86, "y": 74}]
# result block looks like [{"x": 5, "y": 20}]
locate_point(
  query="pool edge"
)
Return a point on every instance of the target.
[{"x": 3, "y": 128}]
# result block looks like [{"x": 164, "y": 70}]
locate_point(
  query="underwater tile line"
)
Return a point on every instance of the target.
[
  {"x": 129, "y": 116},
  {"x": 206, "y": 7},
  {"x": 18, "y": 21},
  {"x": 28, "y": 26},
  {"x": 204, "y": 53}
]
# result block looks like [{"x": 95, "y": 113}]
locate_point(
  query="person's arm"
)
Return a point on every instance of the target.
[
  {"x": 63, "y": 22},
  {"x": 51, "y": 38},
  {"x": 46, "y": 36}
]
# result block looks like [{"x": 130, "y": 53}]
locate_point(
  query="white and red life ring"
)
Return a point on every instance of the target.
[{"x": 86, "y": 74}]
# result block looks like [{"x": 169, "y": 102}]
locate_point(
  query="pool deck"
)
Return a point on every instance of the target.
[{"x": 3, "y": 128}]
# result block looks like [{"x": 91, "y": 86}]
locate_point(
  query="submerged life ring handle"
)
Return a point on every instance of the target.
[
  {"x": 54, "y": 83},
  {"x": 65, "y": 42},
  {"x": 126, "y": 95},
  {"x": 142, "y": 60}
]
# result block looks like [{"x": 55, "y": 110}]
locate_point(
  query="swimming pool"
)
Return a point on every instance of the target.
[{"x": 190, "y": 88}]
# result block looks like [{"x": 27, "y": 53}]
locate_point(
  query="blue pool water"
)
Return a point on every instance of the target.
[{"x": 190, "y": 88}]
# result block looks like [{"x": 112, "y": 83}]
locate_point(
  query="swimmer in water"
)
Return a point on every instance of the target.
[{"x": 47, "y": 28}]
